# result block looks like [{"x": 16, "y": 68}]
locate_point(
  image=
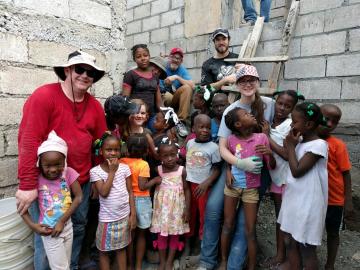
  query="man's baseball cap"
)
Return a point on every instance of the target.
[
  {"x": 220, "y": 31},
  {"x": 177, "y": 51}
]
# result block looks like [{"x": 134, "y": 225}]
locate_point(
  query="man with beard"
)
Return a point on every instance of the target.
[
  {"x": 216, "y": 71},
  {"x": 178, "y": 86}
]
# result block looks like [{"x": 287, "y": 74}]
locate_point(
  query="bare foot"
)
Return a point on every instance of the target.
[{"x": 271, "y": 262}]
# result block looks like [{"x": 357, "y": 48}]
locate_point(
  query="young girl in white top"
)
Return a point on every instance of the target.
[
  {"x": 304, "y": 204},
  {"x": 277, "y": 132},
  {"x": 117, "y": 208}
]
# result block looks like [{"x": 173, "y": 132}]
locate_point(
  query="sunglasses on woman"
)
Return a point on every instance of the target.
[{"x": 89, "y": 72}]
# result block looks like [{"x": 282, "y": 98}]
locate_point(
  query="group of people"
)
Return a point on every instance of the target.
[{"x": 160, "y": 182}]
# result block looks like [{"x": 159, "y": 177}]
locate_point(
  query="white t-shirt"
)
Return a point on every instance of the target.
[
  {"x": 268, "y": 114},
  {"x": 278, "y": 134},
  {"x": 304, "y": 202},
  {"x": 116, "y": 205}
]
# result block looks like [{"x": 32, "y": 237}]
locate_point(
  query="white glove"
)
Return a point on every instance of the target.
[{"x": 251, "y": 164}]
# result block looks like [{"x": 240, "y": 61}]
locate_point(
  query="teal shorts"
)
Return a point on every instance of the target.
[{"x": 144, "y": 210}]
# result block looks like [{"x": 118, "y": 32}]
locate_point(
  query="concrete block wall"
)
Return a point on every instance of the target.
[
  {"x": 35, "y": 36},
  {"x": 324, "y": 52}
]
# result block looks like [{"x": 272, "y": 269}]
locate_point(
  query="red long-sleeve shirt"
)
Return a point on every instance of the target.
[{"x": 49, "y": 109}]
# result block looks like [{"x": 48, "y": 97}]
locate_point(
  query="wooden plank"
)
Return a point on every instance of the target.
[
  {"x": 286, "y": 38},
  {"x": 262, "y": 59},
  {"x": 243, "y": 47},
  {"x": 255, "y": 37}
]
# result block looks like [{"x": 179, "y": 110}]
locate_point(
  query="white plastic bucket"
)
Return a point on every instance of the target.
[{"x": 16, "y": 238}]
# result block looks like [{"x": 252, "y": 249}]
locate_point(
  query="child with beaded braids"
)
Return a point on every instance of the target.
[
  {"x": 285, "y": 102},
  {"x": 117, "y": 208},
  {"x": 304, "y": 203},
  {"x": 202, "y": 99},
  {"x": 171, "y": 204}
]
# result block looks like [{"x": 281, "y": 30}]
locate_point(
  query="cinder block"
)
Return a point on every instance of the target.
[
  {"x": 195, "y": 74},
  {"x": 13, "y": 48},
  {"x": 11, "y": 110},
  {"x": 277, "y": 3},
  {"x": 159, "y": 6},
  {"x": 150, "y": 23},
  {"x": 171, "y": 17},
  {"x": 264, "y": 70},
  {"x": 129, "y": 42},
  {"x": 90, "y": 12},
  {"x": 143, "y": 38},
  {"x": 129, "y": 15},
  {"x": 343, "y": 65},
  {"x": 180, "y": 43},
  {"x": 198, "y": 43},
  {"x": 287, "y": 85},
  {"x": 100, "y": 58},
  {"x": 177, "y": 31},
  {"x": 268, "y": 48},
  {"x": 46, "y": 53},
  {"x": 159, "y": 35},
  {"x": 6, "y": 192},
  {"x": 320, "y": 89},
  {"x": 309, "y": 6},
  {"x": 133, "y": 27},
  {"x": 351, "y": 88},
  {"x": 201, "y": 57},
  {"x": 278, "y": 12},
  {"x": 133, "y": 3},
  {"x": 323, "y": 44},
  {"x": 142, "y": 11},
  {"x": 305, "y": 68},
  {"x": 354, "y": 1},
  {"x": 272, "y": 30},
  {"x": 342, "y": 18},
  {"x": 30, "y": 79},
  {"x": 59, "y": 8},
  {"x": 189, "y": 60},
  {"x": 238, "y": 35},
  {"x": 117, "y": 60},
  {"x": 310, "y": 24},
  {"x": 294, "y": 49},
  {"x": 155, "y": 49},
  {"x": 104, "y": 88},
  {"x": 355, "y": 40},
  {"x": 177, "y": 3},
  {"x": 11, "y": 136},
  {"x": 350, "y": 111},
  {"x": 8, "y": 169}
]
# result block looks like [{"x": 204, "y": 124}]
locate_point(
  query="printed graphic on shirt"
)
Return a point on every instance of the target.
[
  {"x": 196, "y": 158},
  {"x": 225, "y": 71},
  {"x": 55, "y": 203}
]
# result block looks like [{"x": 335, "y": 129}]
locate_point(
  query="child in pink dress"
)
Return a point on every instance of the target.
[{"x": 171, "y": 204}]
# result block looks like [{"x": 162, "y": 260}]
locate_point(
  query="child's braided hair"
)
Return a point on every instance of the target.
[{"x": 99, "y": 142}]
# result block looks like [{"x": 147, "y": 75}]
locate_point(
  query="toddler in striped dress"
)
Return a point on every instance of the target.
[{"x": 117, "y": 214}]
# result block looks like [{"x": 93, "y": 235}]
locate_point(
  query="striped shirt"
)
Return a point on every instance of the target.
[{"x": 116, "y": 205}]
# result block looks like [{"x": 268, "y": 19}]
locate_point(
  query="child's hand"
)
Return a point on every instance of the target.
[
  {"x": 292, "y": 138},
  {"x": 265, "y": 127},
  {"x": 94, "y": 193},
  {"x": 263, "y": 149},
  {"x": 132, "y": 221},
  {"x": 186, "y": 215},
  {"x": 113, "y": 164},
  {"x": 201, "y": 189},
  {"x": 157, "y": 180},
  {"x": 229, "y": 179},
  {"x": 42, "y": 229},
  {"x": 59, "y": 227}
]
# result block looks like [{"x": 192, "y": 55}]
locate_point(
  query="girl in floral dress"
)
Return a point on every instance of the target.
[{"x": 171, "y": 204}]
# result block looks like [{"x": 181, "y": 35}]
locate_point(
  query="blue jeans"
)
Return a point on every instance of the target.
[
  {"x": 213, "y": 220},
  {"x": 79, "y": 220},
  {"x": 250, "y": 12}
]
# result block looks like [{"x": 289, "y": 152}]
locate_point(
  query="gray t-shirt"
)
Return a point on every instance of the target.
[
  {"x": 268, "y": 114},
  {"x": 199, "y": 159}
]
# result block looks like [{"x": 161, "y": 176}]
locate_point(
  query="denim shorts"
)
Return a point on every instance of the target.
[{"x": 144, "y": 210}]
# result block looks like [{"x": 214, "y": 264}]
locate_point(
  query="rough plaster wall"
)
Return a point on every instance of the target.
[
  {"x": 38, "y": 34},
  {"x": 325, "y": 52}
]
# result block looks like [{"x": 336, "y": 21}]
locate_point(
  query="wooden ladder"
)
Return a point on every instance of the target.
[{"x": 248, "y": 50}]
